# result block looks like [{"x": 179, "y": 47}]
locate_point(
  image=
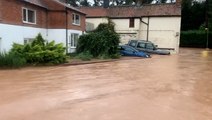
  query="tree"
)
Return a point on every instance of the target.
[
  {"x": 193, "y": 14},
  {"x": 73, "y": 3},
  {"x": 84, "y": 3},
  {"x": 209, "y": 14}
]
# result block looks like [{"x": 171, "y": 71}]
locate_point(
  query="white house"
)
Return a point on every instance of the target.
[
  {"x": 159, "y": 23},
  {"x": 22, "y": 20}
]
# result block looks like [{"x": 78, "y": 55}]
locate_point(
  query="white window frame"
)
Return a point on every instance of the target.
[
  {"x": 74, "y": 21},
  {"x": 27, "y": 18},
  {"x": 28, "y": 40},
  {"x": 0, "y": 44},
  {"x": 72, "y": 40}
]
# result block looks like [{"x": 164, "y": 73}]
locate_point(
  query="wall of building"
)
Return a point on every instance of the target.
[
  {"x": 14, "y": 33},
  {"x": 10, "y": 34},
  {"x": 76, "y": 27},
  {"x": 13, "y": 15},
  {"x": 163, "y": 31},
  {"x": 96, "y": 21}
]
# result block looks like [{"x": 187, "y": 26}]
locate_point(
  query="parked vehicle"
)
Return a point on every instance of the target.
[
  {"x": 126, "y": 50},
  {"x": 147, "y": 46}
]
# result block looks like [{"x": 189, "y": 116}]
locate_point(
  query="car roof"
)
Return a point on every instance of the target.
[{"x": 142, "y": 41}]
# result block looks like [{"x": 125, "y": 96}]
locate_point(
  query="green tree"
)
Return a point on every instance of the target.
[
  {"x": 210, "y": 14},
  {"x": 73, "y": 3},
  {"x": 193, "y": 14}
]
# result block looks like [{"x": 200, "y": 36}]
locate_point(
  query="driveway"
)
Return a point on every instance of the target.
[{"x": 176, "y": 87}]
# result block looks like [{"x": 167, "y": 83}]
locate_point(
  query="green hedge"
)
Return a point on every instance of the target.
[
  {"x": 40, "y": 51},
  {"x": 195, "y": 39},
  {"x": 103, "y": 41}
]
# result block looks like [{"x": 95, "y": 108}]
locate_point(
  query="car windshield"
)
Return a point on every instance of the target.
[{"x": 128, "y": 48}]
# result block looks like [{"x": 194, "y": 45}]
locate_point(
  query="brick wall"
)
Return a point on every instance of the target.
[
  {"x": 55, "y": 18},
  {"x": 0, "y": 10},
  {"x": 12, "y": 13},
  {"x": 76, "y": 27}
]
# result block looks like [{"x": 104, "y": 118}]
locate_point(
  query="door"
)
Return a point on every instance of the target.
[{"x": 72, "y": 42}]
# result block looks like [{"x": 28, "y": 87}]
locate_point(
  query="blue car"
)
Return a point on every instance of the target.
[{"x": 126, "y": 50}]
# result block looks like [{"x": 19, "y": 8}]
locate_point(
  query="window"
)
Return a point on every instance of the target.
[
  {"x": 29, "y": 16},
  {"x": 149, "y": 46},
  {"x": 133, "y": 43},
  {"x": 141, "y": 45},
  {"x": 132, "y": 23},
  {"x": 75, "y": 19},
  {"x": 73, "y": 40},
  {"x": 0, "y": 44},
  {"x": 28, "y": 40}
]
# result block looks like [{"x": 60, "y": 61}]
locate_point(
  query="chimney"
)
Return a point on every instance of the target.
[
  {"x": 106, "y": 4},
  {"x": 178, "y": 3}
]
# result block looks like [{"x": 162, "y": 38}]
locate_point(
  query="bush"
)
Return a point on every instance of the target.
[
  {"x": 41, "y": 52},
  {"x": 84, "y": 56},
  {"x": 103, "y": 41},
  {"x": 195, "y": 39},
  {"x": 11, "y": 60}
]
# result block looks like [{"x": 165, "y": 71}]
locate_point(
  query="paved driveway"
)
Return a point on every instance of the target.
[{"x": 176, "y": 87}]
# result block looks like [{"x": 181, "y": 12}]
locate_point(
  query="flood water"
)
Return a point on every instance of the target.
[{"x": 176, "y": 87}]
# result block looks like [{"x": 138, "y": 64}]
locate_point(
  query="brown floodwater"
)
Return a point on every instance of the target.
[{"x": 176, "y": 87}]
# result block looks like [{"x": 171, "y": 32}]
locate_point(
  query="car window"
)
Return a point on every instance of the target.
[
  {"x": 149, "y": 46},
  {"x": 132, "y": 43},
  {"x": 129, "y": 49},
  {"x": 141, "y": 45}
]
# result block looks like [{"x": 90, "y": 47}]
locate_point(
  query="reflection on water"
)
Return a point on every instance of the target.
[{"x": 176, "y": 87}]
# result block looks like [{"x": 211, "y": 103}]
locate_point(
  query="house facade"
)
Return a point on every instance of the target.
[
  {"x": 159, "y": 23},
  {"x": 22, "y": 20}
]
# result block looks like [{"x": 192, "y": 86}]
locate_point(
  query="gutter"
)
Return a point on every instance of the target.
[
  {"x": 147, "y": 36},
  {"x": 66, "y": 30}
]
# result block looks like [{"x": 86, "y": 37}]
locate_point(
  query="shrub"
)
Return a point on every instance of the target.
[
  {"x": 11, "y": 60},
  {"x": 84, "y": 56},
  {"x": 103, "y": 41},
  {"x": 41, "y": 52},
  {"x": 195, "y": 39}
]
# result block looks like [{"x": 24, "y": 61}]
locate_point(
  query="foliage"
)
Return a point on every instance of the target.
[
  {"x": 101, "y": 42},
  {"x": 193, "y": 14},
  {"x": 84, "y": 56},
  {"x": 11, "y": 60},
  {"x": 40, "y": 51},
  {"x": 195, "y": 39}
]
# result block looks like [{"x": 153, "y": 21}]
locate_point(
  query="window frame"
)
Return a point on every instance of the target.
[
  {"x": 27, "y": 17},
  {"x": 28, "y": 40},
  {"x": 132, "y": 23},
  {"x": 74, "y": 20},
  {"x": 72, "y": 42}
]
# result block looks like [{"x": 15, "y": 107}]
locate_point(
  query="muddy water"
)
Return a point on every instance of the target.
[{"x": 176, "y": 87}]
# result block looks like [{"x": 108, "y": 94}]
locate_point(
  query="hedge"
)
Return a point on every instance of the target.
[{"x": 196, "y": 39}]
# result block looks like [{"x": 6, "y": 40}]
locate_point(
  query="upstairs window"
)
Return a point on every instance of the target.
[
  {"x": 75, "y": 19},
  {"x": 132, "y": 23},
  {"x": 29, "y": 16}
]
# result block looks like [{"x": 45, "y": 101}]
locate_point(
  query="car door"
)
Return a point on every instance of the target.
[
  {"x": 141, "y": 46},
  {"x": 149, "y": 47},
  {"x": 128, "y": 51}
]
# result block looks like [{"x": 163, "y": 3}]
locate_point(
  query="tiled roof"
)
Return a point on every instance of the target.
[
  {"x": 36, "y": 2},
  {"x": 41, "y": 3},
  {"x": 132, "y": 11}
]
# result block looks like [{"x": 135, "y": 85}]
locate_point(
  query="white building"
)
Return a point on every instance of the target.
[{"x": 159, "y": 23}]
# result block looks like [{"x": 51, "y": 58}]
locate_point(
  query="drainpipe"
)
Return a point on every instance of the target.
[
  {"x": 66, "y": 30},
  {"x": 147, "y": 36},
  {"x": 147, "y": 24}
]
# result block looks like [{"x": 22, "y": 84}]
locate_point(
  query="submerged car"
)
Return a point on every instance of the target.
[
  {"x": 126, "y": 50},
  {"x": 147, "y": 46}
]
